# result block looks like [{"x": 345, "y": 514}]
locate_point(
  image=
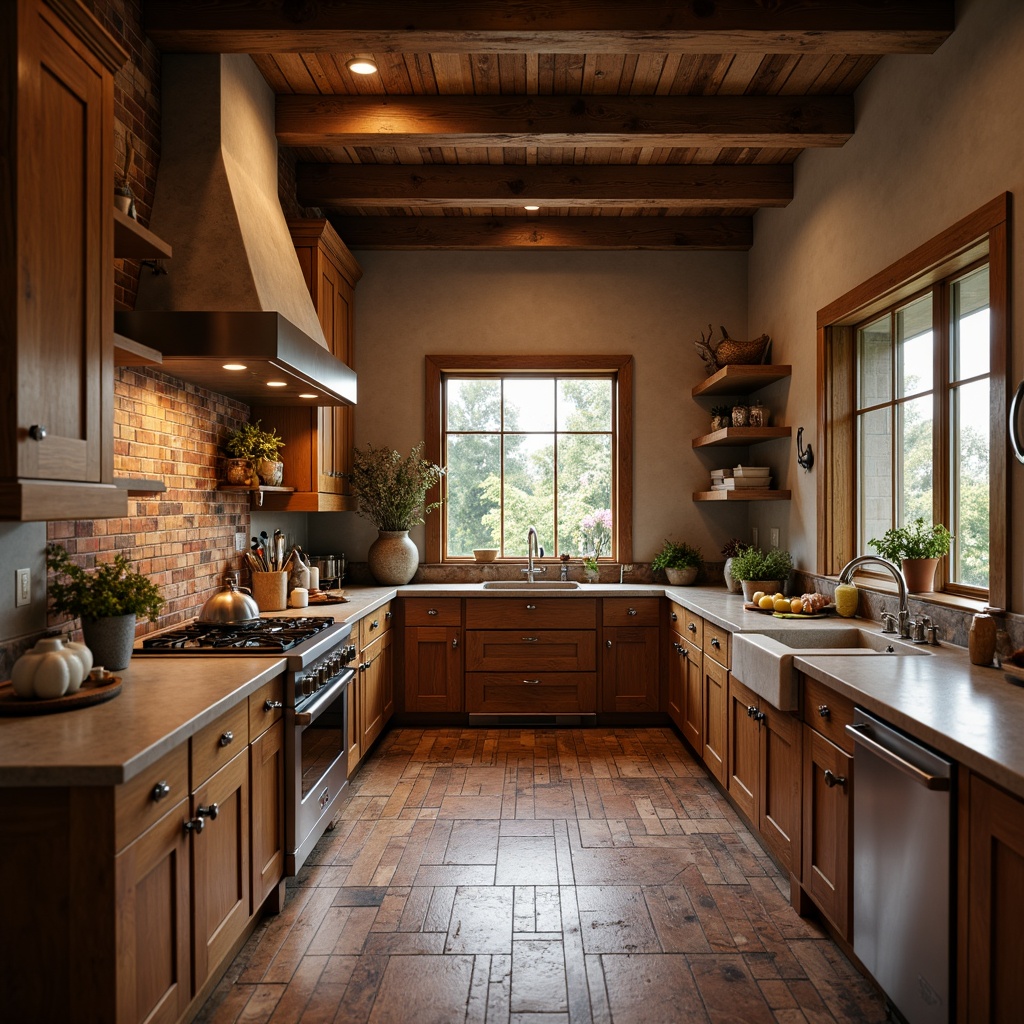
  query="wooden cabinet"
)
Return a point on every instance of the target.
[
  {"x": 318, "y": 452},
  {"x": 56, "y": 264},
  {"x": 763, "y": 759},
  {"x": 692, "y": 724},
  {"x": 715, "y": 732},
  {"x": 375, "y": 679},
  {"x": 990, "y": 953},
  {"x": 266, "y": 779},
  {"x": 739, "y": 380},
  {"x": 630, "y": 680},
  {"x": 432, "y": 660}
]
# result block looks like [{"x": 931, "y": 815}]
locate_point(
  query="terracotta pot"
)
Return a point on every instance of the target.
[
  {"x": 919, "y": 574},
  {"x": 393, "y": 558},
  {"x": 681, "y": 577},
  {"x": 238, "y": 472},
  {"x": 750, "y": 587}
]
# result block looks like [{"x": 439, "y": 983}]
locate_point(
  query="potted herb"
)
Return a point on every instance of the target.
[
  {"x": 107, "y": 600},
  {"x": 254, "y": 449},
  {"x": 916, "y": 549},
  {"x": 391, "y": 492},
  {"x": 761, "y": 570},
  {"x": 680, "y": 562}
]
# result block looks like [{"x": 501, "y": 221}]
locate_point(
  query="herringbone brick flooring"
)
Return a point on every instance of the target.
[{"x": 538, "y": 876}]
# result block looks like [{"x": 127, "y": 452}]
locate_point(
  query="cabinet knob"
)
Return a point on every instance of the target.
[
  {"x": 387, "y": 616},
  {"x": 832, "y": 779},
  {"x": 716, "y": 643},
  {"x": 608, "y": 644},
  {"x": 226, "y": 738},
  {"x": 673, "y": 616},
  {"x": 210, "y": 812},
  {"x": 455, "y": 641},
  {"x": 37, "y": 432},
  {"x": 531, "y": 682},
  {"x": 431, "y": 611},
  {"x": 272, "y": 705},
  {"x": 531, "y": 607},
  {"x": 530, "y": 639},
  {"x": 161, "y": 790},
  {"x": 824, "y": 711},
  {"x": 375, "y": 624},
  {"x": 692, "y": 627},
  {"x": 631, "y": 611},
  {"x": 194, "y": 825}
]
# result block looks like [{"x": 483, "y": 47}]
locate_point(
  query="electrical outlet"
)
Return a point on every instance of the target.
[
  {"x": 239, "y": 541},
  {"x": 753, "y": 536},
  {"x": 773, "y": 533},
  {"x": 22, "y": 587}
]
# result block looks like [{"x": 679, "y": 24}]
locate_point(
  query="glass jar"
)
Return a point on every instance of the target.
[
  {"x": 757, "y": 416},
  {"x": 740, "y": 415}
]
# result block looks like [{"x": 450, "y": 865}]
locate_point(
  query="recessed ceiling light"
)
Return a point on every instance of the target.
[
  {"x": 362, "y": 65},
  {"x": 234, "y": 366},
  {"x": 309, "y": 396},
  {"x": 277, "y": 383},
  {"x": 531, "y": 208}
]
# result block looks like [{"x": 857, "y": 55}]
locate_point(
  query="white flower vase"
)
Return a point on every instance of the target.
[
  {"x": 393, "y": 557},
  {"x": 734, "y": 586}
]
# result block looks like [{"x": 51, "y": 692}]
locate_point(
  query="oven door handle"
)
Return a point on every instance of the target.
[{"x": 328, "y": 695}]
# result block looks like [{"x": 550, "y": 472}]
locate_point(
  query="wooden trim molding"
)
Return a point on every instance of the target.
[{"x": 437, "y": 366}]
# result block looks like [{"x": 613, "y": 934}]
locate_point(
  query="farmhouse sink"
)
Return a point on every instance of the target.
[
  {"x": 536, "y": 585},
  {"x": 764, "y": 661}
]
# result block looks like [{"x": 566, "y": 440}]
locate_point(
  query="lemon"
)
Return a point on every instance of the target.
[
  {"x": 782, "y": 604},
  {"x": 779, "y": 596},
  {"x": 767, "y": 601},
  {"x": 756, "y": 599},
  {"x": 796, "y": 605}
]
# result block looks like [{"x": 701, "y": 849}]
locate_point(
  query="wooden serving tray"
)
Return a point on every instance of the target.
[
  {"x": 791, "y": 615},
  {"x": 93, "y": 691}
]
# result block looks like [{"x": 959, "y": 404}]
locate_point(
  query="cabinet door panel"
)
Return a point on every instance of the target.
[
  {"x": 693, "y": 699},
  {"x": 433, "y": 669},
  {"x": 266, "y": 757},
  {"x": 630, "y": 680},
  {"x": 744, "y": 750},
  {"x": 674, "y": 677},
  {"x": 779, "y": 820},
  {"x": 715, "y": 731},
  {"x": 373, "y": 671}
]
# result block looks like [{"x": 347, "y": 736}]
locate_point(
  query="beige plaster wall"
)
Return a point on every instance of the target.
[
  {"x": 936, "y": 138},
  {"x": 650, "y": 304}
]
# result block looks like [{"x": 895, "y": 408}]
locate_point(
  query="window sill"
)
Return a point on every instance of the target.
[{"x": 953, "y": 602}]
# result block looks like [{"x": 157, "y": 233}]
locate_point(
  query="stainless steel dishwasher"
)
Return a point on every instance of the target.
[{"x": 902, "y": 868}]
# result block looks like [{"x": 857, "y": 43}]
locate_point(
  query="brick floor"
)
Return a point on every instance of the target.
[{"x": 538, "y": 876}]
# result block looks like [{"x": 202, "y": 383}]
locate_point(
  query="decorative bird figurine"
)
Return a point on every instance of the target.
[{"x": 729, "y": 351}]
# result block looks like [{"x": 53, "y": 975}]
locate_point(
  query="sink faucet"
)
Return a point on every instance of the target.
[
  {"x": 533, "y": 549},
  {"x": 903, "y": 614}
]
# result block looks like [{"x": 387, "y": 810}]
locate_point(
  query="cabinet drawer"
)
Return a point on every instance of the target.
[
  {"x": 441, "y": 611},
  {"x": 261, "y": 717},
  {"x": 827, "y": 712},
  {"x": 622, "y": 611},
  {"x": 539, "y": 650},
  {"x": 546, "y": 693},
  {"x": 379, "y": 621},
  {"x": 531, "y": 613},
  {"x": 215, "y": 744},
  {"x": 716, "y": 643},
  {"x": 150, "y": 795}
]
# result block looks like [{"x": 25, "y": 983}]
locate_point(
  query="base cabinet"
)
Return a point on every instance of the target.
[
  {"x": 432, "y": 657},
  {"x": 266, "y": 766},
  {"x": 715, "y": 695}
]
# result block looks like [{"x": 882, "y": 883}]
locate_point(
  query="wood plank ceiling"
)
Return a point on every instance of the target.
[{"x": 631, "y": 124}]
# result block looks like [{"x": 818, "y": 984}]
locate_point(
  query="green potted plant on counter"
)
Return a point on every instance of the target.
[
  {"x": 254, "y": 450},
  {"x": 761, "y": 570},
  {"x": 679, "y": 561},
  {"x": 391, "y": 492},
  {"x": 917, "y": 549},
  {"x": 107, "y": 600}
]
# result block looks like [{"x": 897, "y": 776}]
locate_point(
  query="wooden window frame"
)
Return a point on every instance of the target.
[
  {"x": 438, "y": 366},
  {"x": 982, "y": 234}
]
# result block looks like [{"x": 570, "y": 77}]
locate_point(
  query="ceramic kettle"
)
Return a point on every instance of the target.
[{"x": 230, "y": 604}]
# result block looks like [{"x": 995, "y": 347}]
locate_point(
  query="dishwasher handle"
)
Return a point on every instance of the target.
[{"x": 860, "y": 731}]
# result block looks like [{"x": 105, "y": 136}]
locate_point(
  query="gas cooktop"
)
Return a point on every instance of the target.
[{"x": 261, "y": 636}]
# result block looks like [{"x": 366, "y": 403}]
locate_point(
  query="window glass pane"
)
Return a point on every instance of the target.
[
  {"x": 584, "y": 404},
  {"x": 473, "y": 404},
  {"x": 970, "y": 341},
  {"x": 874, "y": 483},
  {"x": 529, "y": 492},
  {"x": 969, "y": 450},
  {"x": 584, "y": 489},
  {"x": 914, "y": 452},
  {"x": 914, "y": 338},
  {"x": 529, "y": 404},
  {"x": 874, "y": 363},
  {"x": 473, "y": 493}
]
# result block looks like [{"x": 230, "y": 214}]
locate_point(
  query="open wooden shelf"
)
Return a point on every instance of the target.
[
  {"x": 139, "y": 485},
  {"x": 739, "y": 436},
  {"x": 128, "y": 352},
  {"x": 134, "y": 242},
  {"x": 741, "y": 380},
  {"x": 743, "y": 494}
]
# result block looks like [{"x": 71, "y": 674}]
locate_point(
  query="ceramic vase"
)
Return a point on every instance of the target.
[
  {"x": 110, "y": 640},
  {"x": 270, "y": 473},
  {"x": 393, "y": 557},
  {"x": 238, "y": 472},
  {"x": 919, "y": 574},
  {"x": 734, "y": 586}
]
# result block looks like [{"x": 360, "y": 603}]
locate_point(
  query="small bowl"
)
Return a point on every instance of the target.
[{"x": 485, "y": 554}]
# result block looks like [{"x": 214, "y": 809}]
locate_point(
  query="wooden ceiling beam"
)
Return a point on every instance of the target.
[
  {"x": 502, "y": 121},
  {"x": 551, "y": 233},
  {"x": 650, "y": 185},
  {"x": 531, "y": 26}
]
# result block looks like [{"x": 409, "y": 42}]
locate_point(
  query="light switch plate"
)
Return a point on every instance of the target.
[
  {"x": 753, "y": 536},
  {"x": 773, "y": 533},
  {"x": 239, "y": 541},
  {"x": 22, "y": 587}
]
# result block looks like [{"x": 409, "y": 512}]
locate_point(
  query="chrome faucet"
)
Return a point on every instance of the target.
[
  {"x": 903, "y": 614},
  {"x": 533, "y": 549}
]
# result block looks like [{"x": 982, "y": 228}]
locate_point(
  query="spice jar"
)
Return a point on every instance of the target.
[
  {"x": 757, "y": 416},
  {"x": 740, "y": 415}
]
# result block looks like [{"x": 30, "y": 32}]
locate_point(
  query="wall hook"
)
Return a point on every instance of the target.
[{"x": 804, "y": 456}]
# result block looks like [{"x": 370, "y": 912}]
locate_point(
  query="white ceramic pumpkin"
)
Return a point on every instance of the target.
[
  {"x": 84, "y": 655},
  {"x": 48, "y": 671}
]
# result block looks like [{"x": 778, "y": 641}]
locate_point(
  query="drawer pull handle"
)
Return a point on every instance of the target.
[
  {"x": 375, "y": 624},
  {"x": 431, "y": 611},
  {"x": 272, "y": 705},
  {"x": 824, "y": 711},
  {"x": 631, "y": 611},
  {"x": 692, "y": 627},
  {"x": 210, "y": 812},
  {"x": 531, "y": 607},
  {"x": 608, "y": 644},
  {"x": 37, "y": 432},
  {"x": 194, "y": 825},
  {"x": 455, "y": 641},
  {"x": 531, "y": 682},
  {"x": 716, "y": 643},
  {"x": 226, "y": 738},
  {"x": 387, "y": 616},
  {"x": 754, "y": 713},
  {"x": 832, "y": 779},
  {"x": 530, "y": 639},
  {"x": 673, "y": 616},
  {"x": 161, "y": 790}
]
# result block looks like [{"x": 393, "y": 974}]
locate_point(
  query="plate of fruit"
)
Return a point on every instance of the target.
[{"x": 807, "y": 606}]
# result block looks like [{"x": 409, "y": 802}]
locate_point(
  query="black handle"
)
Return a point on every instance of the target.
[
  {"x": 831, "y": 779},
  {"x": 1015, "y": 439}
]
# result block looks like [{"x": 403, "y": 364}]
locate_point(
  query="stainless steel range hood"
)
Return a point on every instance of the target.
[{"x": 234, "y": 292}]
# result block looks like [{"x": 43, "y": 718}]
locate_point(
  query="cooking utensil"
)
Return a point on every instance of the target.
[{"x": 230, "y": 604}]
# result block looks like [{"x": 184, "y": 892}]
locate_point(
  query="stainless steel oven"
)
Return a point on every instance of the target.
[{"x": 318, "y": 672}]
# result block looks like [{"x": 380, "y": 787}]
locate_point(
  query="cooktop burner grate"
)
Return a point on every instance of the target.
[{"x": 262, "y": 636}]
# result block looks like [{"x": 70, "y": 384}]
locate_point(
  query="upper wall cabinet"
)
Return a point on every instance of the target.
[
  {"x": 56, "y": 263},
  {"x": 318, "y": 441}
]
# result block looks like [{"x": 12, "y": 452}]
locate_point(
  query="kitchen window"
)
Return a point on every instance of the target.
[
  {"x": 913, "y": 406},
  {"x": 531, "y": 441}
]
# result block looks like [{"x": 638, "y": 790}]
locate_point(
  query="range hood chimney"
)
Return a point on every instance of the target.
[{"x": 234, "y": 292}]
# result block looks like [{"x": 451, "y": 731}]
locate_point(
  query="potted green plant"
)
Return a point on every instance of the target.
[
  {"x": 391, "y": 492},
  {"x": 761, "y": 570},
  {"x": 254, "y": 450},
  {"x": 917, "y": 549},
  {"x": 679, "y": 561},
  {"x": 107, "y": 600}
]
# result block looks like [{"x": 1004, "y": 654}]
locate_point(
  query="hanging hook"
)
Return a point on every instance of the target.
[{"x": 804, "y": 456}]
